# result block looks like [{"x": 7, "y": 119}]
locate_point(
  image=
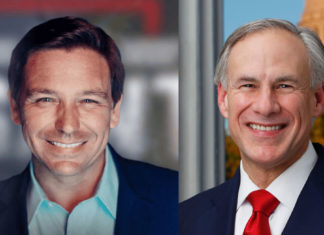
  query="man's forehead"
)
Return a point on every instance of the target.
[
  {"x": 265, "y": 33},
  {"x": 276, "y": 49},
  {"x": 59, "y": 56},
  {"x": 77, "y": 71},
  {"x": 46, "y": 52}
]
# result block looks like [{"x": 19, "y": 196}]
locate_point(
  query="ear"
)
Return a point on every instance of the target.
[
  {"x": 14, "y": 110},
  {"x": 319, "y": 101},
  {"x": 114, "y": 117},
  {"x": 222, "y": 100}
]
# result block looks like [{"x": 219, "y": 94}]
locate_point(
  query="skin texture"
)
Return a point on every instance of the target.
[
  {"x": 269, "y": 86},
  {"x": 66, "y": 99}
]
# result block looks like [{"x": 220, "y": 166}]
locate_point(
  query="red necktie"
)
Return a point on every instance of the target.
[{"x": 264, "y": 203}]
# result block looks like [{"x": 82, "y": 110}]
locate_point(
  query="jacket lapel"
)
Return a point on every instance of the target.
[
  {"x": 220, "y": 218},
  {"x": 133, "y": 211},
  {"x": 307, "y": 216}
]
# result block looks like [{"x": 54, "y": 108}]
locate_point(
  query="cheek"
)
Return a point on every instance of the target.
[
  {"x": 95, "y": 119},
  {"x": 299, "y": 108},
  {"x": 237, "y": 105},
  {"x": 297, "y": 105},
  {"x": 35, "y": 118}
]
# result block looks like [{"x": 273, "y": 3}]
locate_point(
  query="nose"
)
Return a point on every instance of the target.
[
  {"x": 67, "y": 120},
  {"x": 266, "y": 102}
]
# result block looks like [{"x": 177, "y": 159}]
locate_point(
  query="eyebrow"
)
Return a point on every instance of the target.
[
  {"x": 245, "y": 79},
  {"x": 279, "y": 79},
  {"x": 36, "y": 91},
  {"x": 101, "y": 94},
  {"x": 287, "y": 79}
]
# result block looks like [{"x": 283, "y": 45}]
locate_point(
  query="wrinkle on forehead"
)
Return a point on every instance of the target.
[{"x": 269, "y": 54}]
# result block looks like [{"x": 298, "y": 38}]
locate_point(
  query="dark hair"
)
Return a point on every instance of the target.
[{"x": 66, "y": 33}]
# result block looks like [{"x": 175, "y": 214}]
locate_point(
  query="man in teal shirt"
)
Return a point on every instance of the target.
[
  {"x": 65, "y": 87},
  {"x": 96, "y": 215}
]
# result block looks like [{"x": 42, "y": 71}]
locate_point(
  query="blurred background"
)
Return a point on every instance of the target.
[{"x": 146, "y": 33}]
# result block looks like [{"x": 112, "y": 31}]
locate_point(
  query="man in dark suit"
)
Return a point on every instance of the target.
[
  {"x": 66, "y": 80},
  {"x": 270, "y": 77}
]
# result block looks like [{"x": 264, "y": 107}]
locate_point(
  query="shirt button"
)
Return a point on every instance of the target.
[{"x": 50, "y": 204}]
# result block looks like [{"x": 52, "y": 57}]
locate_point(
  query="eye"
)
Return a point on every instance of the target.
[
  {"x": 45, "y": 100},
  {"x": 248, "y": 86},
  {"x": 285, "y": 86},
  {"x": 89, "y": 101}
]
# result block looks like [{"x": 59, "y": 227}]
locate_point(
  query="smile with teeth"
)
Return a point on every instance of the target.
[
  {"x": 65, "y": 145},
  {"x": 265, "y": 128}
]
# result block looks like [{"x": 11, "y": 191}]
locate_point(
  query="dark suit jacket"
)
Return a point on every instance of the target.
[
  {"x": 213, "y": 211},
  {"x": 147, "y": 200}
]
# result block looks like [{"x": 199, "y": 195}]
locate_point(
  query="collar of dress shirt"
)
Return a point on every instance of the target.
[
  {"x": 283, "y": 187},
  {"x": 107, "y": 189}
]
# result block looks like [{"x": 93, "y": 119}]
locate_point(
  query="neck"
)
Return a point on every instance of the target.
[
  {"x": 69, "y": 190},
  {"x": 263, "y": 176}
]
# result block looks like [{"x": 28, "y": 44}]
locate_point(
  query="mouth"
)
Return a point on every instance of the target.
[
  {"x": 259, "y": 127},
  {"x": 63, "y": 145}
]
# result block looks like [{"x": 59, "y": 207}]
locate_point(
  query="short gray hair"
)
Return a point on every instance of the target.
[{"x": 310, "y": 39}]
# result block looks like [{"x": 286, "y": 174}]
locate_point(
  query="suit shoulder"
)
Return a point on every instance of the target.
[
  {"x": 143, "y": 169},
  {"x": 13, "y": 180},
  {"x": 196, "y": 212},
  {"x": 319, "y": 149},
  {"x": 144, "y": 175},
  {"x": 13, "y": 185},
  {"x": 204, "y": 200}
]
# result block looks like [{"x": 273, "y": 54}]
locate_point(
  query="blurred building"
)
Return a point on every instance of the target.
[
  {"x": 146, "y": 33},
  {"x": 313, "y": 16}
]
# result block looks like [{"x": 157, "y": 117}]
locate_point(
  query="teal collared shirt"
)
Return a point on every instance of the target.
[{"x": 96, "y": 215}]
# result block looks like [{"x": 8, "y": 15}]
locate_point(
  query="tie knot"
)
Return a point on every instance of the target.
[{"x": 263, "y": 201}]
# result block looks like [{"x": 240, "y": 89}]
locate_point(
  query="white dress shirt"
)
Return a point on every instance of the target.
[{"x": 286, "y": 188}]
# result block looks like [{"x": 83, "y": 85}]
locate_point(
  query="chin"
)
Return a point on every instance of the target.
[
  {"x": 66, "y": 168},
  {"x": 265, "y": 157}
]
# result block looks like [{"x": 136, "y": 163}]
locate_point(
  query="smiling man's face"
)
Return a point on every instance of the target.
[
  {"x": 268, "y": 102},
  {"x": 66, "y": 110}
]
